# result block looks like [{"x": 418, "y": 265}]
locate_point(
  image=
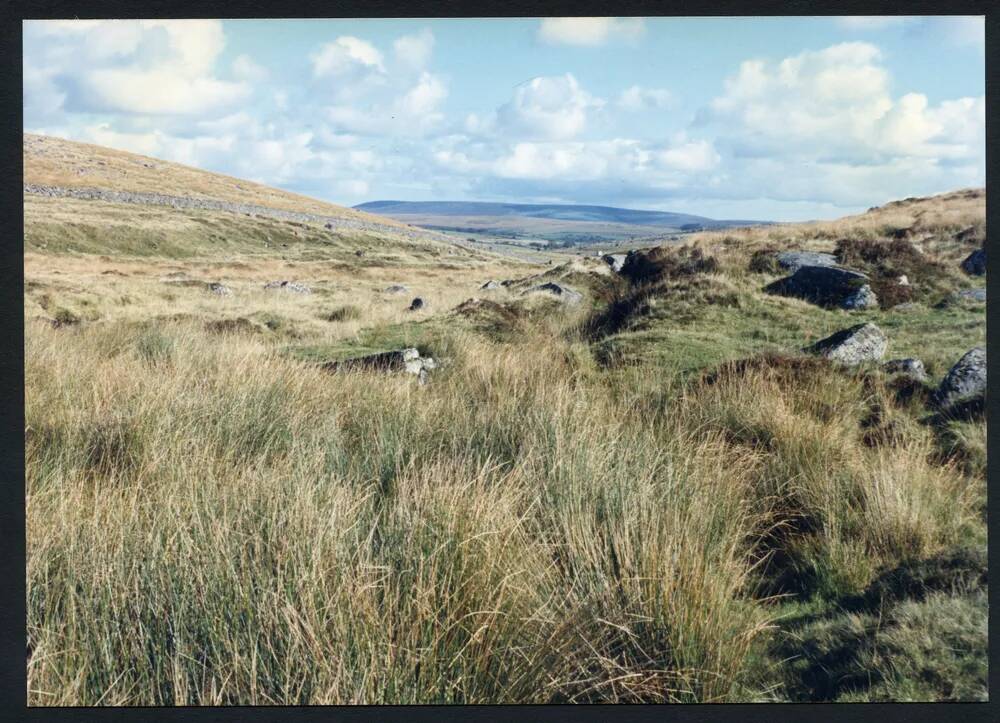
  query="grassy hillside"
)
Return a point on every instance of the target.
[
  {"x": 650, "y": 495},
  {"x": 52, "y": 161}
]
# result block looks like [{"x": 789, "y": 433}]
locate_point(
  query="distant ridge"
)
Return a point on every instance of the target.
[{"x": 560, "y": 212}]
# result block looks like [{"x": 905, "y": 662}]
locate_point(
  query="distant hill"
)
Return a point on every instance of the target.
[{"x": 550, "y": 222}]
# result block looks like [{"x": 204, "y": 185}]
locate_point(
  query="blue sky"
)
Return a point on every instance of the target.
[{"x": 769, "y": 118}]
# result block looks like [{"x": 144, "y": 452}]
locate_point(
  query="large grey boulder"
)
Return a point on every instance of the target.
[
  {"x": 913, "y": 368},
  {"x": 828, "y": 286},
  {"x": 975, "y": 263},
  {"x": 861, "y": 343},
  {"x": 401, "y": 361},
  {"x": 563, "y": 293},
  {"x": 795, "y": 260},
  {"x": 964, "y": 385},
  {"x": 615, "y": 261}
]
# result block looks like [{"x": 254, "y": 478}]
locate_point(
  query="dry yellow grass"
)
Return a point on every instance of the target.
[{"x": 212, "y": 519}]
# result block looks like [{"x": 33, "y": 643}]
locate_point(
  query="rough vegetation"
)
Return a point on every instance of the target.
[{"x": 650, "y": 495}]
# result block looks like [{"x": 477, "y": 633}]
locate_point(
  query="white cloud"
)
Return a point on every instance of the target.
[
  {"x": 832, "y": 101},
  {"x": 415, "y": 50},
  {"x": 128, "y": 66},
  {"x": 129, "y": 91},
  {"x": 637, "y": 98},
  {"x": 823, "y": 125},
  {"x": 588, "y": 31},
  {"x": 246, "y": 69},
  {"x": 553, "y": 107},
  {"x": 346, "y": 56}
]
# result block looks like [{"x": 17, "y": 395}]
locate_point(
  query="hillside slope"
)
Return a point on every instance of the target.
[
  {"x": 84, "y": 198},
  {"x": 50, "y": 161}
]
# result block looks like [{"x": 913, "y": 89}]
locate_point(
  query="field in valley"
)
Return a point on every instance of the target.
[{"x": 649, "y": 495}]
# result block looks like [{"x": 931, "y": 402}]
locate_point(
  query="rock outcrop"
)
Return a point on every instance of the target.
[
  {"x": 852, "y": 346},
  {"x": 828, "y": 286},
  {"x": 401, "y": 361},
  {"x": 964, "y": 386},
  {"x": 795, "y": 260},
  {"x": 563, "y": 293}
]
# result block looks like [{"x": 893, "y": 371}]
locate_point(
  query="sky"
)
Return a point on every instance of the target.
[{"x": 743, "y": 118}]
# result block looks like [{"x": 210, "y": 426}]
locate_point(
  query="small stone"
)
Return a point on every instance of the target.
[
  {"x": 219, "y": 289},
  {"x": 416, "y": 304},
  {"x": 615, "y": 261},
  {"x": 913, "y": 368},
  {"x": 395, "y": 289},
  {"x": 561, "y": 292}
]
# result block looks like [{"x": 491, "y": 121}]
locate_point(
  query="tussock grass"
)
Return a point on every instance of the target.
[{"x": 648, "y": 497}]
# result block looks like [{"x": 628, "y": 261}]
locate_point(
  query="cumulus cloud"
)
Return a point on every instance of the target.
[
  {"x": 636, "y": 98},
  {"x": 415, "y": 50},
  {"x": 824, "y": 125},
  {"x": 552, "y": 107},
  {"x": 347, "y": 56},
  {"x": 126, "y": 66},
  {"x": 246, "y": 69},
  {"x": 588, "y": 31}
]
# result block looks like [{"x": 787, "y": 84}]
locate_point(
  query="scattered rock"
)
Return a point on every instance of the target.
[
  {"x": 795, "y": 260},
  {"x": 964, "y": 386},
  {"x": 292, "y": 286},
  {"x": 913, "y": 368},
  {"x": 615, "y": 261},
  {"x": 490, "y": 285},
  {"x": 903, "y": 280},
  {"x": 975, "y": 263},
  {"x": 564, "y": 293},
  {"x": 829, "y": 286},
  {"x": 976, "y": 295},
  {"x": 966, "y": 234},
  {"x": 359, "y": 253},
  {"x": 219, "y": 289},
  {"x": 860, "y": 343},
  {"x": 406, "y": 361},
  {"x": 396, "y": 289},
  {"x": 239, "y": 325},
  {"x": 863, "y": 298},
  {"x": 328, "y": 226},
  {"x": 416, "y": 304}
]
